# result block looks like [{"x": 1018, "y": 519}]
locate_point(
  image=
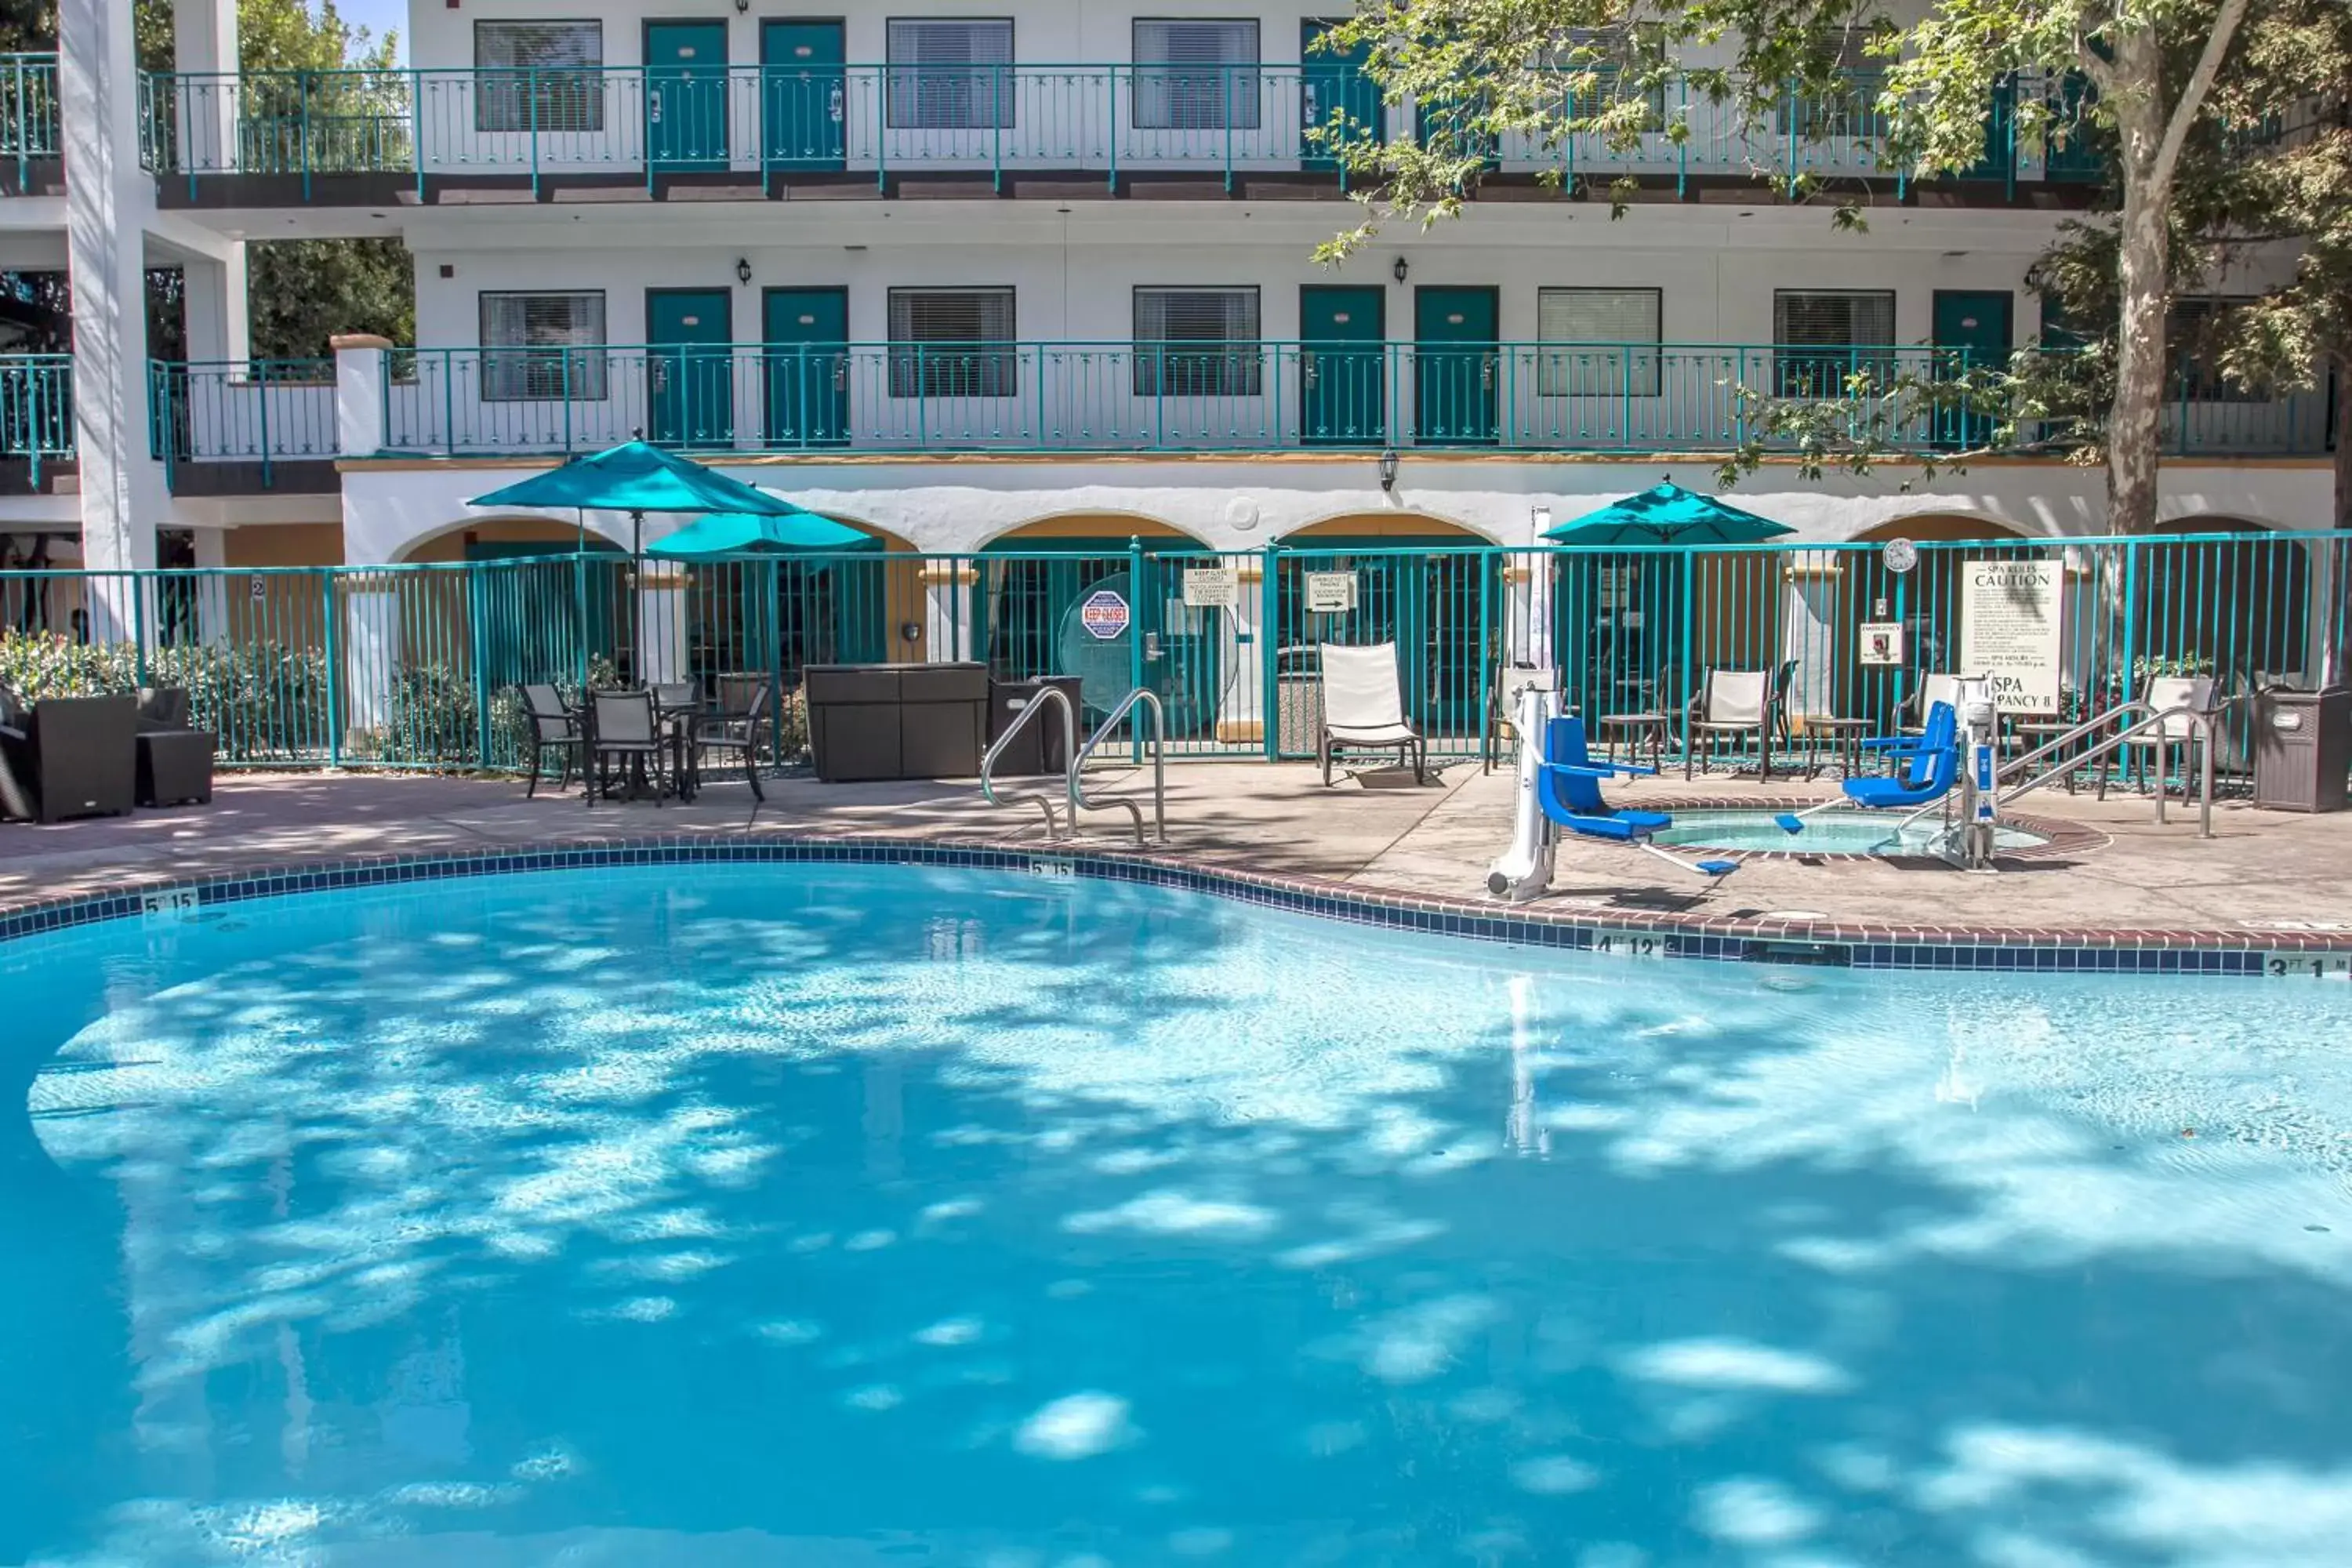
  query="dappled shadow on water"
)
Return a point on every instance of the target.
[{"x": 870, "y": 1215}]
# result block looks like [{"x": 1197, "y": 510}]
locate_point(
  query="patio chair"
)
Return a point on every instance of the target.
[
  {"x": 75, "y": 756},
  {"x": 553, "y": 728},
  {"x": 1737, "y": 702},
  {"x": 672, "y": 696},
  {"x": 174, "y": 759},
  {"x": 739, "y": 732},
  {"x": 1911, "y": 715},
  {"x": 2164, "y": 692},
  {"x": 1363, "y": 708},
  {"x": 622, "y": 725}
]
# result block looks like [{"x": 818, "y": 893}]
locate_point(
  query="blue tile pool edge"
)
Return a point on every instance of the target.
[{"x": 1632, "y": 934}]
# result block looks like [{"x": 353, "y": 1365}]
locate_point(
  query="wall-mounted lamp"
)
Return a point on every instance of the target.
[
  {"x": 1388, "y": 472},
  {"x": 742, "y": 8},
  {"x": 1401, "y": 270},
  {"x": 743, "y": 269},
  {"x": 910, "y": 631}
]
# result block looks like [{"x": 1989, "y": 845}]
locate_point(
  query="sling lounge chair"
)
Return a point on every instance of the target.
[{"x": 1363, "y": 708}]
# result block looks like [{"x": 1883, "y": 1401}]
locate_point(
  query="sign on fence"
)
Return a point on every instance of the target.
[
  {"x": 1882, "y": 643},
  {"x": 1211, "y": 588},
  {"x": 2011, "y": 622},
  {"x": 1330, "y": 592},
  {"x": 1104, "y": 615}
]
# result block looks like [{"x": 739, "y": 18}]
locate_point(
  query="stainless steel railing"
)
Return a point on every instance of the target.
[
  {"x": 1078, "y": 801},
  {"x": 1030, "y": 710}
]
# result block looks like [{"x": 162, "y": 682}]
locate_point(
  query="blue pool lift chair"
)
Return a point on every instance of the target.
[
  {"x": 1569, "y": 790},
  {"x": 1930, "y": 764}
]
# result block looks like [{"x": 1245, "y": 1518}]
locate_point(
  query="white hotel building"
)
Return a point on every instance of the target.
[{"x": 977, "y": 273}]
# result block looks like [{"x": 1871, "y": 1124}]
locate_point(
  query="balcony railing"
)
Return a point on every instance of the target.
[
  {"x": 28, "y": 113},
  {"x": 1239, "y": 397},
  {"x": 775, "y": 122},
  {"x": 259, "y": 414},
  {"x": 37, "y": 411}
]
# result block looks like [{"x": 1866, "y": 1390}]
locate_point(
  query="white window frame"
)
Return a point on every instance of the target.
[
  {"x": 543, "y": 370},
  {"x": 1583, "y": 366}
]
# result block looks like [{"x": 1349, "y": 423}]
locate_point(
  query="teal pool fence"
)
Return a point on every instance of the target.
[{"x": 419, "y": 665}]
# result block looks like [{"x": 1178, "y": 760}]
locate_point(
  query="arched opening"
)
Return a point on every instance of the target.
[
  {"x": 2237, "y": 608},
  {"x": 1030, "y": 592},
  {"x": 1925, "y": 601},
  {"x": 1433, "y": 588},
  {"x": 753, "y": 618}
]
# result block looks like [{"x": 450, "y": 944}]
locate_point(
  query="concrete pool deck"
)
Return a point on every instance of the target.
[{"x": 2265, "y": 880}]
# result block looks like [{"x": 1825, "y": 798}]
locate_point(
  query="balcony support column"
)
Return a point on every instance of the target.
[
  {"x": 359, "y": 393},
  {"x": 206, "y": 53},
  {"x": 219, "y": 324},
  {"x": 109, "y": 204}
]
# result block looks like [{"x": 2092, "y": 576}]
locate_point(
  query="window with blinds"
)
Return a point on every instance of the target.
[
  {"x": 1598, "y": 343},
  {"x": 539, "y": 75},
  {"x": 950, "y": 75},
  {"x": 953, "y": 342},
  {"x": 1849, "y": 334},
  {"x": 1197, "y": 343},
  {"x": 543, "y": 347},
  {"x": 1196, "y": 76}
]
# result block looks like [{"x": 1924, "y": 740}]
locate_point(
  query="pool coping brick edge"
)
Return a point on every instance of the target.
[{"x": 1830, "y": 942}]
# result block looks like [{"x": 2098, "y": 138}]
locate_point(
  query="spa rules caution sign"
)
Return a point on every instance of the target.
[{"x": 2011, "y": 622}]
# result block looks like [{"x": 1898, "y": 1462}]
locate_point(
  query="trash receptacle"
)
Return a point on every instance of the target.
[
  {"x": 1041, "y": 747},
  {"x": 1297, "y": 701},
  {"x": 2302, "y": 746}
]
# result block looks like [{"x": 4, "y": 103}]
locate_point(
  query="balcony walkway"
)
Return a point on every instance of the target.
[{"x": 2133, "y": 881}]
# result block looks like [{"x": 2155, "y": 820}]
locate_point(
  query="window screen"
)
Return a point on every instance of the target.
[
  {"x": 1197, "y": 342},
  {"x": 1195, "y": 76},
  {"x": 1852, "y": 334},
  {"x": 953, "y": 342},
  {"x": 950, "y": 76},
  {"x": 542, "y": 75},
  {"x": 1621, "y": 328},
  {"x": 532, "y": 347}
]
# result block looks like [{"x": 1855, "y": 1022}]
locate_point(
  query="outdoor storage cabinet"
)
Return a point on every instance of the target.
[
  {"x": 175, "y": 760},
  {"x": 869, "y": 722},
  {"x": 77, "y": 756},
  {"x": 2303, "y": 747},
  {"x": 1041, "y": 747}
]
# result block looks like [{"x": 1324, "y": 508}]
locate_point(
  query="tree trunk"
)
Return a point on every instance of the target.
[
  {"x": 2343, "y": 358},
  {"x": 2143, "y": 269}
]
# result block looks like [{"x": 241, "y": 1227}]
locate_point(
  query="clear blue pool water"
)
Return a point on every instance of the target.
[
  {"x": 1831, "y": 833},
  {"x": 867, "y": 1215}
]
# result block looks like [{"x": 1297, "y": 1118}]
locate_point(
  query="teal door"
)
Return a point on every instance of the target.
[
  {"x": 806, "y": 335},
  {"x": 802, "y": 89},
  {"x": 1342, "y": 376},
  {"x": 1971, "y": 333},
  {"x": 686, "y": 95},
  {"x": 1455, "y": 357},
  {"x": 688, "y": 399},
  {"x": 1999, "y": 160},
  {"x": 1334, "y": 90}
]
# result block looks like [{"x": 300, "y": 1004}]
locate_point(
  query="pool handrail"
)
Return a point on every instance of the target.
[
  {"x": 1078, "y": 801},
  {"x": 2200, "y": 735},
  {"x": 1028, "y": 710}
]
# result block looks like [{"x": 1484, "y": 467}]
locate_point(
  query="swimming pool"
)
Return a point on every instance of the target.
[
  {"x": 1831, "y": 833},
  {"x": 856, "y": 1215}
]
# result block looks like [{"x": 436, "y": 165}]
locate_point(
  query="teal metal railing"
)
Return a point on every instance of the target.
[
  {"x": 1257, "y": 396},
  {"x": 257, "y": 411},
  {"x": 29, "y": 124},
  {"x": 37, "y": 411},
  {"x": 418, "y": 665},
  {"x": 772, "y": 122}
]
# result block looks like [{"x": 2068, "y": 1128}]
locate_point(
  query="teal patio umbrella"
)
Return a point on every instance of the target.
[
  {"x": 638, "y": 478},
  {"x": 1667, "y": 514},
  {"x": 747, "y": 533}
]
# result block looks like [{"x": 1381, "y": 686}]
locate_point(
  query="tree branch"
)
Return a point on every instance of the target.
[{"x": 2192, "y": 96}]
